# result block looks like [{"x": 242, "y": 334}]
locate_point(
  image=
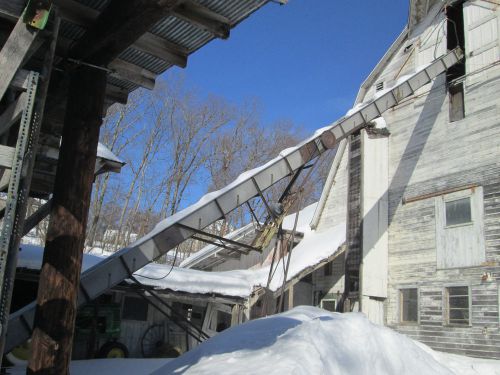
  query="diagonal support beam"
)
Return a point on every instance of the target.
[
  {"x": 219, "y": 244},
  {"x": 13, "y": 53},
  {"x": 232, "y": 242},
  {"x": 40, "y": 214}
]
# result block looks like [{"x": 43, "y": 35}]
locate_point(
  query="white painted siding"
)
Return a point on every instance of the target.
[
  {"x": 374, "y": 195},
  {"x": 462, "y": 245},
  {"x": 482, "y": 37}
]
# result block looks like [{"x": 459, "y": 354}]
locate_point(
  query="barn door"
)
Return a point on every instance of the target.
[{"x": 481, "y": 38}]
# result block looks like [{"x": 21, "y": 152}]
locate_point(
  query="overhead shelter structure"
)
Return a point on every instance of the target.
[{"x": 62, "y": 64}]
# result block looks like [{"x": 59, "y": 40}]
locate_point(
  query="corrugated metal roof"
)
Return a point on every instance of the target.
[
  {"x": 181, "y": 32},
  {"x": 171, "y": 28},
  {"x": 144, "y": 60},
  {"x": 95, "y": 4}
]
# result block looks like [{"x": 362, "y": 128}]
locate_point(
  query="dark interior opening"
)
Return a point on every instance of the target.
[{"x": 455, "y": 38}]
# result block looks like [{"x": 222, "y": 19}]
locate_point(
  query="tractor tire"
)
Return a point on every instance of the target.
[{"x": 113, "y": 349}]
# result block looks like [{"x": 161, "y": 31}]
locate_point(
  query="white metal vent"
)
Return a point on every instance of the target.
[{"x": 379, "y": 86}]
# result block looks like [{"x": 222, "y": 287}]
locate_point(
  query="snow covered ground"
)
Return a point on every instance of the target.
[
  {"x": 305, "y": 340},
  {"x": 308, "y": 340}
]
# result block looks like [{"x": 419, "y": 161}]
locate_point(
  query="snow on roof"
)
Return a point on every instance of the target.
[
  {"x": 105, "y": 153},
  {"x": 209, "y": 250},
  {"x": 308, "y": 340},
  {"x": 314, "y": 248},
  {"x": 30, "y": 257},
  {"x": 304, "y": 220},
  {"x": 303, "y": 226}
]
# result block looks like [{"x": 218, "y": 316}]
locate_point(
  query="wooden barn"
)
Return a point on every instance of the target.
[{"x": 421, "y": 188}]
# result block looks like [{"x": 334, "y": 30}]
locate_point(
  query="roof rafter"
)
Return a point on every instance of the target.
[
  {"x": 203, "y": 18},
  {"x": 149, "y": 43},
  {"x": 117, "y": 27}
]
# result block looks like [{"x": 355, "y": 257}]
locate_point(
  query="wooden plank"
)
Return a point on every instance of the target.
[
  {"x": 203, "y": 18},
  {"x": 11, "y": 9},
  {"x": 13, "y": 52},
  {"x": 20, "y": 80},
  {"x": 162, "y": 49},
  {"x": 6, "y": 156},
  {"x": 12, "y": 113},
  {"x": 133, "y": 73}
]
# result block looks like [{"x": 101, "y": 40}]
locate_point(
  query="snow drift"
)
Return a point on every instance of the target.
[{"x": 308, "y": 340}]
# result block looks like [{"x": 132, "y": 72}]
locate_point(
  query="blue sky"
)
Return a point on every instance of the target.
[{"x": 303, "y": 61}]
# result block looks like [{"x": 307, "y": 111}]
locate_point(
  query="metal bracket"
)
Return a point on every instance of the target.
[
  {"x": 37, "y": 13},
  {"x": 221, "y": 239},
  {"x": 14, "y": 196}
]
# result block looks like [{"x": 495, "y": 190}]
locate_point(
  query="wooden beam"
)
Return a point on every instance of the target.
[
  {"x": 20, "y": 80},
  {"x": 162, "y": 49},
  {"x": 60, "y": 275},
  {"x": 13, "y": 52},
  {"x": 203, "y": 18},
  {"x": 117, "y": 27},
  {"x": 12, "y": 113},
  {"x": 149, "y": 43},
  {"x": 11, "y": 9},
  {"x": 116, "y": 94},
  {"x": 6, "y": 156},
  {"x": 36, "y": 217},
  {"x": 132, "y": 73}
]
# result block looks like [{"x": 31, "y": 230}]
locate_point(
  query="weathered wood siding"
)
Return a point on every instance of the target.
[
  {"x": 429, "y": 155},
  {"x": 329, "y": 284},
  {"x": 335, "y": 210}
]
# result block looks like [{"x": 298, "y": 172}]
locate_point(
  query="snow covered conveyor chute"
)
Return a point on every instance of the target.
[{"x": 175, "y": 229}]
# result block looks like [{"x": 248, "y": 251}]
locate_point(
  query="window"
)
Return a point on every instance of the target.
[
  {"x": 329, "y": 304},
  {"x": 408, "y": 305},
  {"x": 135, "y": 308},
  {"x": 457, "y": 305},
  {"x": 458, "y": 212}
]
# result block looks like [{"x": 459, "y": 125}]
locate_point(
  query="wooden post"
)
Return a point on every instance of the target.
[{"x": 60, "y": 275}]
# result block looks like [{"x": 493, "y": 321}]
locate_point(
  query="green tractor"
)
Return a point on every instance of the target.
[{"x": 97, "y": 331}]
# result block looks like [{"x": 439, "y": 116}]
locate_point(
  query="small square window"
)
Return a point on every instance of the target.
[
  {"x": 329, "y": 304},
  {"x": 458, "y": 308},
  {"x": 409, "y": 305},
  {"x": 458, "y": 212}
]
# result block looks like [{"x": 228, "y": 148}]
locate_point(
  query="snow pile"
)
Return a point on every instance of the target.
[{"x": 308, "y": 340}]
